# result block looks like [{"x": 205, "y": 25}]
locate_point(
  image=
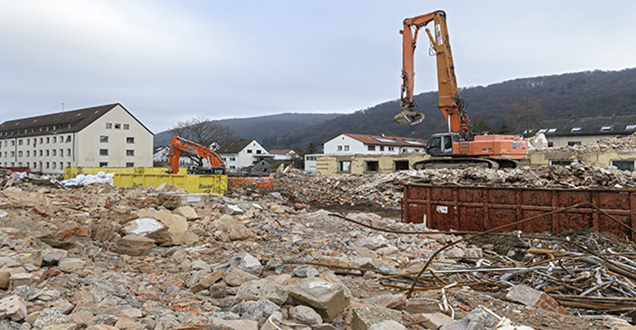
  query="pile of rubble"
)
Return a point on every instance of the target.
[
  {"x": 385, "y": 190},
  {"x": 106, "y": 258},
  {"x": 604, "y": 145}
]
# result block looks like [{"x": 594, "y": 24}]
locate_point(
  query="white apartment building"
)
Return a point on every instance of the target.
[
  {"x": 101, "y": 136},
  {"x": 350, "y": 144},
  {"x": 242, "y": 153}
]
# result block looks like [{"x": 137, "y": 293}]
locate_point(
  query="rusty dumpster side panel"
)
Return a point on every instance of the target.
[{"x": 484, "y": 208}]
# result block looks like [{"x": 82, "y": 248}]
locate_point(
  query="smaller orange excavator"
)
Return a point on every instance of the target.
[{"x": 179, "y": 144}]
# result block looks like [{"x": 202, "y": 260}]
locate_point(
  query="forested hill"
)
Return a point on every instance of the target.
[
  {"x": 583, "y": 94},
  {"x": 260, "y": 128},
  {"x": 497, "y": 107}
]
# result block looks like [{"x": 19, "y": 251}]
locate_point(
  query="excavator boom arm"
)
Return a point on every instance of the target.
[{"x": 449, "y": 102}]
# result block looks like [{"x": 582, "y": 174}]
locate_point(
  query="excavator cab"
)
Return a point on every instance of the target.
[{"x": 441, "y": 144}]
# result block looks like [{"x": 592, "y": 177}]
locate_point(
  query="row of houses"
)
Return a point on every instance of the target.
[{"x": 110, "y": 136}]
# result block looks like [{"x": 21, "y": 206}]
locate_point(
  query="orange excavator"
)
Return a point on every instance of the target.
[
  {"x": 459, "y": 148},
  {"x": 179, "y": 144}
]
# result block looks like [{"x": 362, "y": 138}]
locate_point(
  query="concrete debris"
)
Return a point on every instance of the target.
[{"x": 102, "y": 257}]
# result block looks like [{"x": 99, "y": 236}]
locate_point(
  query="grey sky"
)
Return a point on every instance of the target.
[{"x": 169, "y": 61}]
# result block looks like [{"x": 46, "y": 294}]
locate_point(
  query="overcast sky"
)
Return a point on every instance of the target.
[{"x": 169, "y": 61}]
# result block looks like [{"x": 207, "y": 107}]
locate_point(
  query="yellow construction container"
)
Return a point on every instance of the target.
[
  {"x": 73, "y": 171},
  {"x": 191, "y": 183}
]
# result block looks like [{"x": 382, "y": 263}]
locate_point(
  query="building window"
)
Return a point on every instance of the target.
[
  {"x": 54, "y": 139},
  {"x": 560, "y": 162},
  {"x": 54, "y": 152},
  {"x": 68, "y": 138},
  {"x": 28, "y": 153},
  {"x": 391, "y": 148},
  {"x": 381, "y": 148},
  {"x": 61, "y": 166},
  {"x": 130, "y": 139},
  {"x": 371, "y": 148},
  {"x": 109, "y": 125},
  {"x": 574, "y": 143},
  {"x": 103, "y": 164},
  {"x": 68, "y": 152},
  {"x": 249, "y": 151},
  {"x": 346, "y": 148},
  {"x": 41, "y": 140},
  {"x": 47, "y": 165},
  {"x": 103, "y": 152},
  {"x": 401, "y": 165},
  {"x": 117, "y": 126},
  {"x": 103, "y": 138},
  {"x": 40, "y": 153},
  {"x": 258, "y": 152},
  {"x": 48, "y": 140},
  {"x": 344, "y": 166},
  {"x": 20, "y": 142},
  {"x": 12, "y": 143},
  {"x": 28, "y": 141},
  {"x": 68, "y": 164},
  {"x": 126, "y": 126},
  {"x": 61, "y": 152},
  {"x": 54, "y": 165},
  {"x": 12, "y": 153},
  {"x": 232, "y": 159},
  {"x": 130, "y": 152},
  {"x": 130, "y": 164},
  {"x": 47, "y": 152},
  {"x": 623, "y": 165},
  {"x": 372, "y": 165},
  {"x": 20, "y": 153}
]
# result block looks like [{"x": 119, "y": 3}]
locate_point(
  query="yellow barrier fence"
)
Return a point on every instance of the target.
[{"x": 191, "y": 183}]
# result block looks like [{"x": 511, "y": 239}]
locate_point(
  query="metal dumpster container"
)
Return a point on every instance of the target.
[{"x": 484, "y": 208}]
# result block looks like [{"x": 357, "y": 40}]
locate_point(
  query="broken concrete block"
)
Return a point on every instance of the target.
[
  {"x": 235, "y": 324},
  {"x": 51, "y": 257},
  {"x": 13, "y": 307},
  {"x": 255, "y": 290},
  {"x": 232, "y": 228},
  {"x": 262, "y": 308},
  {"x": 306, "y": 315},
  {"x": 143, "y": 227},
  {"x": 388, "y": 325},
  {"x": 246, "y": 262},
  {"x": 437, "y": 320},
  {"x": 134, "y": 245},
  {"x": 479, "y": 318},
  {"x": 173, "y": 200},
  {"x": 177, "y": 232},
  {"x": 235, "y": 276},
  {"x": 364, "y": 317},
  {"x": 232, "y": 209},
  {"x": 20, "y": 279},
  {"x": 530, "y": 297},
  {"x": 70, "y": 264},
  {"x": 186, "y": 211},
  {"x": 207, "y": 281},
  {"x": 327, "y": 298}
]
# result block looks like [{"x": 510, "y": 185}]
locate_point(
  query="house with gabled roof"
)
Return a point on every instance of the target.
[
  {"x": 348, "y": 144},
  {"x": 101, "y": 136},
  {"x": 242, "y": 153}
]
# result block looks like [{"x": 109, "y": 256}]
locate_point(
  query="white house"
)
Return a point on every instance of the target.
[
  {"x": 349, "y": 144},
  {"x": 105, "y": 136},
  {"x": 242, "y": 153},
  {"x": 283, "y": 154}
]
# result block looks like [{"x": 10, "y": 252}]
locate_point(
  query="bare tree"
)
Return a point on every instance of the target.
[
  {"x": 204, "y": 132},
  {"x": 526, "y": 115}
]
